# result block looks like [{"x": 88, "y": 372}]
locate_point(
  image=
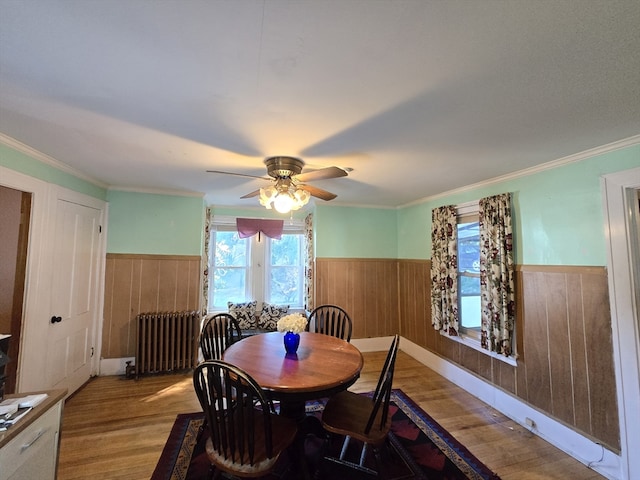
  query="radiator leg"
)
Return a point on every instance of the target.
[{"x": 130, "y": 370}]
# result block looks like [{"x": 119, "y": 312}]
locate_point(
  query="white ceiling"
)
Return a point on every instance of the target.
[{"x": 418, "y": 97}]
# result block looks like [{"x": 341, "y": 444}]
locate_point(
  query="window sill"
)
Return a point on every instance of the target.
[{"x": 475, "y": 344}]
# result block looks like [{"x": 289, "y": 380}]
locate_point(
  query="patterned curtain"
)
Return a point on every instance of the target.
[
  {"x": 308, "y": 264},
  {"x": 497, "y": 285},
  {"x": 444, "y": 264},
  {"x": 205, "y": 270}
]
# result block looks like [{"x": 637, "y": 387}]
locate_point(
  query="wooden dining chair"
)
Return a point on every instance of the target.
[
  {"x": 363, "y": 417},
  {"x": 247, "y": 436},
  {"x": 218, "y": 332},
  {"x": 330, "y": 320}
]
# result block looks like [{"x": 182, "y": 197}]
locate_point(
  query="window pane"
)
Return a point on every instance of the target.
[
  {"x": 468, "y": 285},
  {"x": 286, "y": 251},
  {"x": 229, "y": 286},
  {"x": 285, "y": 286},
  {"x": 469, "y": 274},
  {"x": 231, "y": 250},
  {"x": 469, "y": 247},
  {"x": 470, "y": 311},
  {"x": 286, "y": 271},
  {"x": 229, "y": 269}
]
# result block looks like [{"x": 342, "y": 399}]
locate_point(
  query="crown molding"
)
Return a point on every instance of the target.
[
  {"x": 157, "y": 191},
  {"x": 576, "y": 157},
  {"x": 362, "y": 205},
  {"x": 48, "y": 160}
]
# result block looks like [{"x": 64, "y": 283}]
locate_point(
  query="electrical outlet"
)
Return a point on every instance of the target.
[{"x": 530, "y": 423}]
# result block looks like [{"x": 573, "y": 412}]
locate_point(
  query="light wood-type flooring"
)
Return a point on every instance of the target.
[{"x": 115, "y": 428}]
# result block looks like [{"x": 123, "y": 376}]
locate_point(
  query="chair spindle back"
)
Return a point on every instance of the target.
[
  {"x": 382, "y": 394},
  {"x": 236, "y": 410},
  {"x": 331, "y": 320},
  {"x": 218, "y": 332}
]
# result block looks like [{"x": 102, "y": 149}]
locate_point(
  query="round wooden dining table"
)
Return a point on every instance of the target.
[{"x": 322, "y": 366}]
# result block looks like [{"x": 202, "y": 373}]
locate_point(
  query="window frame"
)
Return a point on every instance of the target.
[
  {"x": 465, "y": 213},
  {"x": 268, "y": 268},
  {"x": 258, "y": 269},
  {"x": 464, "y": 336}
]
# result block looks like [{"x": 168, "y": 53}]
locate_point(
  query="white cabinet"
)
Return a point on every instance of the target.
[{"x": 29, "y": 449}]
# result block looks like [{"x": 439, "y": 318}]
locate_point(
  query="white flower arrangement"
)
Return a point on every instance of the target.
[{"x": 294, "y": 322}]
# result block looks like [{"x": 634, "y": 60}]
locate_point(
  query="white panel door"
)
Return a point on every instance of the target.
[{"x": 76, "y": 251}]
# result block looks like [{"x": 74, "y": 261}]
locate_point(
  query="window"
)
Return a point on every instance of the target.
[
  {"x": 285, "y": 272},
  {"x": 231, "y": 268},
  {"x": 472, "y": 272},
  {"x": 468, "y": 246},
  {"x": 256, "y": 268}
]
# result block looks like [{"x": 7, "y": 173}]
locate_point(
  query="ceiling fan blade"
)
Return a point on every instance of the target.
[
  {"x": 318, "y": 192},
  {"x": 237, "y": 174},
  {"x": 255, "y": 193},
  {"x": 323, "y": 173}
]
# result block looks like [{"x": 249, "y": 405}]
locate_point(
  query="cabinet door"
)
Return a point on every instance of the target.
[
  {"x": 41, "y": 464},
  {"x": 33, "y": 453}
]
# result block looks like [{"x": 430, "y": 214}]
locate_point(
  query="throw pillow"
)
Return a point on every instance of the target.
[
  {"x": 270, "y": 315},
  {"x": 244, "y": 313}
]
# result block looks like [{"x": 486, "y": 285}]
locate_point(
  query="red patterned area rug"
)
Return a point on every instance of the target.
[{"x": 420, "y": 449}]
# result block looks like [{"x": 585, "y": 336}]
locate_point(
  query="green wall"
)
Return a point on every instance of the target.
[
  {"x": 558, "y": 217},
  {"x": 340, "y": 232},
  {"x": 155, "y": 224},
  {"x": 351, "y": 232},
  {"x": 27, "y": 165},
  {"x": 138, "y": 222}
]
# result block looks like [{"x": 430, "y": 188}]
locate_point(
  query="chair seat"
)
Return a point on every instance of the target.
[
  {"x": 246, "y": 436},
  {"x": 347, "y": 413},
  {"x": 283, "y": 433}
]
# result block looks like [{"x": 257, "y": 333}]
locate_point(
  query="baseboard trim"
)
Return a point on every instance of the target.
[
  {"x": 114, "y": 366},
  {"x": 377, "y": 344},
  {"x": 586, "y": 451}
]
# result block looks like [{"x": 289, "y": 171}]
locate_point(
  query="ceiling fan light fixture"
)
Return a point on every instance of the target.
[
  {"x": 284, "y": 197},
  {"x": 267, "y": 196},
  {"x": 302, "y": 196},
  {"x": 291, "y": 190},
  {"x": 284, "y": 203},
  {"x": 289, "y": 199}
]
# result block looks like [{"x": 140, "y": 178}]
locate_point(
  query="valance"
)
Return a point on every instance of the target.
[{"x": 248, "y": 227}]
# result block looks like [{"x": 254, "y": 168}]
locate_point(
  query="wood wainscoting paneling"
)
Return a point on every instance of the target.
[
  {"x": 145, "y": 283},
  {"x": 415, "y": 302},
  {"x": 567, "y": 354},
  {"x": 563, "y": 336},
  {"x": 366, "y": 288}
]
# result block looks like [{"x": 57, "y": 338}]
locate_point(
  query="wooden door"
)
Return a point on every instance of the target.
[
  {"x": 73, "y": 300},
  {"x": 15, "y": 212}
]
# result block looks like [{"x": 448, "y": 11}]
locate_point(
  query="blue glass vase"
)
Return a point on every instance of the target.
[{"x": 291, "y": 342}]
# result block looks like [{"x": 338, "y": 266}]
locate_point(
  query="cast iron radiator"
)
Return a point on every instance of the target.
[{"x": 166, "y": 341}]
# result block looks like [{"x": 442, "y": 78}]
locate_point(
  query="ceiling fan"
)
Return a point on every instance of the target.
[{"x": 289, "y": 190}]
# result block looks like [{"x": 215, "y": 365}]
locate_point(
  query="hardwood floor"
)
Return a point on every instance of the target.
[{"x": 115, "y": 428}]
